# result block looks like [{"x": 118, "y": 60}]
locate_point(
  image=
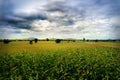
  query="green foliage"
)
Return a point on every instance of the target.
[
  {"x": 36, "y": 40},
  {"x": 6, "y": 41},
  {"x": 69, "y": 64},
  {"x": 58, "y": 40},
  {"x": 30, "y": 42},
  {"x": 47, "y": 39}
]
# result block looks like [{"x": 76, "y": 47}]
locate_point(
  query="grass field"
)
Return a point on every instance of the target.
[{"x": 47, "y": 60}]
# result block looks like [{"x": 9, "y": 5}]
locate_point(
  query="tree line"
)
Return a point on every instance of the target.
[{"x": 7, "y": 41}]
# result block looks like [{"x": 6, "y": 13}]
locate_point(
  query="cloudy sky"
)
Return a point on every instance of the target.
[{"x": 91, "y": 19}]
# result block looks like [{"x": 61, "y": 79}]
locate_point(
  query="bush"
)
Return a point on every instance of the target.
[
  {"x": 6, "y": 41},
  {"x": 47, "y": 39},
  {"x": 30, "y": 42},
  {"x": 58, "y": 40},
  {"x": 36, "y": 40}
]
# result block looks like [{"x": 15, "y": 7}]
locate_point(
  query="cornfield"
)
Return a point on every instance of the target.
[{"x": 65, "y": 61}]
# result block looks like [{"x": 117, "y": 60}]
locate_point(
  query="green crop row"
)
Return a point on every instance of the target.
[{"x": 70, "y": 64}]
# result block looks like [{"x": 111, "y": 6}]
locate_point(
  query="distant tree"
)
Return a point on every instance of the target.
[
  {"x": 47, "y": 39},
  {"x": 58, "y": 40},
  {"x": 36, "y": 40},
  {"x": 83, "y": 39},
  {"x": 96, "y": 40},
  {"x": 73, "y": 40},
  {"x": 87, "y": 40},
  {"x": 30, "y": 42},
  {"x": 6, "y": 41}
]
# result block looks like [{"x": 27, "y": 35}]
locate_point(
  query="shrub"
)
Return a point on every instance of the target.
[
  {"x": 36, "y": 40},
  {"x": 58, "y": 40},
  {"x": 30, "y": 42},
  {"x": 47, "y": 39},
  {"x": 6, "y": 41},
  {"x": 96, "y": 40}
]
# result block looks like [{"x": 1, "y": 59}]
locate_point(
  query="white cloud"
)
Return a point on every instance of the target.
[
  {"x": 57, "y": 14},
  {"x": 115, "y": 20},
  {"x": 42, "y": 25}
]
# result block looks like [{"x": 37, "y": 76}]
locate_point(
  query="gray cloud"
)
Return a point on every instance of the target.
[{"x": 75, "y": 17}]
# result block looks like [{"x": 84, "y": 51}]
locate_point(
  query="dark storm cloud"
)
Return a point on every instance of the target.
[
  {"x": 8, "y": 17},
  {"x": 26, "y": 21},
  {"x": 113, "y": 6}
]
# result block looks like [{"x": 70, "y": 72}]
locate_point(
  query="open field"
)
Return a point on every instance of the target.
[{"x": 47, "y": 60}]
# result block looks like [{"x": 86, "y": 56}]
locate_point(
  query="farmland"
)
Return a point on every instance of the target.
[{"x": 47, "y": 60}]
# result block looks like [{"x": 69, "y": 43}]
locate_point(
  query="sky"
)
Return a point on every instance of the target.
[{"x": 78, "y": 19}]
